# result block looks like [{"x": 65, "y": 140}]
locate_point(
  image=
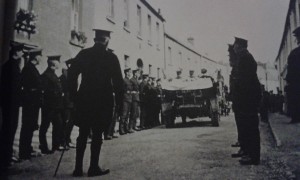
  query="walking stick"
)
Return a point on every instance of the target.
[{"x": 62, "y": 153}]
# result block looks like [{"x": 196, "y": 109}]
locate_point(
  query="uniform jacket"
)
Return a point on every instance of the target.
[
  {"x": 53, "y": 90},
  {"x": 127, "y": 87},
  {"x": 293, "y": 70},
  {"x": 142, "y": 91},
  {"x": 32, "y": 85},
  {"x": 11, "y": 83},
  {"x": 136, "y": 89},
  {"x": 101, "y": 74},
  {"x": 248, "y": 91}
]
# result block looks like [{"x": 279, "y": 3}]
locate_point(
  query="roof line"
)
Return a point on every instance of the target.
[
  {"x": 153, "y": 10},
  {"x": 175, "y": 40},
  {"x": 287, "y": 23}
]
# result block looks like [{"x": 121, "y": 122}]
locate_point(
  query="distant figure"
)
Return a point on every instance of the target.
[
  {"x": 264, "y": 106},
  {"x": 203, "y": 72},
  {"x": 101, "y": 76},
  {"x": 125, "y": 125},
  {"x": 293, "y": 79}
]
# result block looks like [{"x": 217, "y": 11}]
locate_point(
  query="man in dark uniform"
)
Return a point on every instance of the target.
[
  {"x": 247, "y": 102},
  {"x": 52, "y": 109},
  {"x": 32, "y": 97},
  {"x": 293, "y": 79},
  {"x": 158, "y": 98},
  {"x": 124, "y": 125},
  {"x": 233, "y": 94},
  {"x": 143, "y": 114},
  {"x": 101, "y": 74},
  {"x": 10, "y": 102},
  {"x": 135, "y": 100}
]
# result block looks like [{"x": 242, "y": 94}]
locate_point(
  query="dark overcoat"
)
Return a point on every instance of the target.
[
  {"x": 53, "y": 90},
  {"x": 11, "y": 83},
  {"x": 101, "y": 74},
  {"x": 247, "y": 86},
  {"x": 32, "y": 86}
]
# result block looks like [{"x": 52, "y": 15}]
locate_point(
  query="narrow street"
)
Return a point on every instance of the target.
[{"x": 198, "y": 151}]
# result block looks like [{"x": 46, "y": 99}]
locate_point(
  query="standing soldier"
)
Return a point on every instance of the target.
[
  {"x": 32, "y": 96},
  {"x": 247, "y": 102},
  {"x": 135, "y": 100},
  {"x": 293, "y": 79},
  {"x": 124, "y": 125},
  {"x": 143, "y": 114},
  {"x": 52, "y": 110},
  {"x": 101, "y": 74},
  {"x": 10, "y": 102}
]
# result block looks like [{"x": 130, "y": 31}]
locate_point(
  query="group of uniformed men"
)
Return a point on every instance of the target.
[
  {"x": 102, "y": 96},
  {"x": 23, "y": 85},
  {"x": 142, "y": 98}
]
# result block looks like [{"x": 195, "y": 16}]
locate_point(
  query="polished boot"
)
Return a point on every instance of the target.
[
  {"x": 240, "y": 153},
  {"x": 94, "y": 169},
  {"x": 121, "y": 128},
  {"x": 247, "y": 160},
  {"x": 80, "y": 148}
]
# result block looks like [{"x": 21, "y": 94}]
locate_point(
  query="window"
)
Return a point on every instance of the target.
[
  {"x": 149, "y": 28},
  {"x": 150, "y": 70},
  {"x": 139, "y": 19},
  {"x": 111, "y": 9},
  {"x": 158, "y": 72},
  {"x": 25, "y": 4},
  {"x": 170, "y": 55},
  {"x": 126, "y": 61},
  {"x": 75, "y": 15},
  {"x": 126, "y": 13},
  {"x": 157, "y": 35},
  {"x": 180, "y": 59}
]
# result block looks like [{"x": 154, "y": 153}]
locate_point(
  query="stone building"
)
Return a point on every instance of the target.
[
  {"x": 139, "y": 38},
  {"x": 288, "y": 42}
]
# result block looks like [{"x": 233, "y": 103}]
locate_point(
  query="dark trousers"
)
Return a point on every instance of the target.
[
  {"x": 30, "y": 114},
  {"x": 124, "y": 124},
  {"x": 10, "y": 116},
  {"x": 142, "y": 115},
  {"x": 238, "y": 128},
  {"x": 249, "y": 132},
  {"x": 95, "y": 146},
  {"x": 53, "y": 116},
  {"x": 133, "y": 114},
  {"x": 294, "y": 106},
  {"x": 69, "y": 122}
]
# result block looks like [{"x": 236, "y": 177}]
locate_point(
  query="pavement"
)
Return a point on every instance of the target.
[{"x": 287, "y": 137}]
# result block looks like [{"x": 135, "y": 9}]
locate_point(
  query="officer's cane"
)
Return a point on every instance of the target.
[{"x": 62, "y": 153}]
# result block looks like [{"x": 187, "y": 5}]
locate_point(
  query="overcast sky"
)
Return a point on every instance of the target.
[{"x": 214, "y": 23}]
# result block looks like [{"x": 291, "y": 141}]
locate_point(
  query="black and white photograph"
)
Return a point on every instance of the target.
[{"x": 150, "y": 89}]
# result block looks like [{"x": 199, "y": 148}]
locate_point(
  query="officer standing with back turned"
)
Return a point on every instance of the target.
[
  {"x": 247, "y": 102},
  {"x": 101, "y": 74}
]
